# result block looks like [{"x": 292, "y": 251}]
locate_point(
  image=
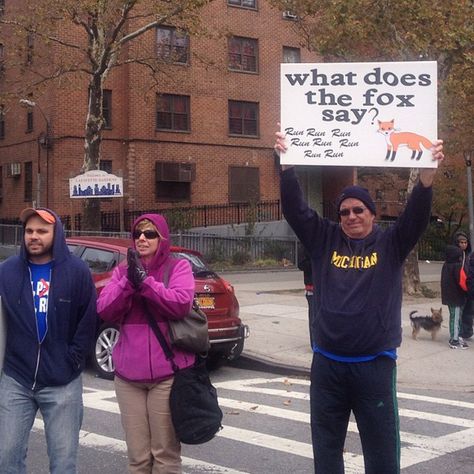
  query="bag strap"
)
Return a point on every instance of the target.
[{"x": 161, "y": 339}]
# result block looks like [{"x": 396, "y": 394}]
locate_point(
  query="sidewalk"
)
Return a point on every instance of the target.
[{"x": 277, "y": 314}]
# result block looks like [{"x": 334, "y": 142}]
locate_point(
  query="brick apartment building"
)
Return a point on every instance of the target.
[{"x": 203, "y": 136}]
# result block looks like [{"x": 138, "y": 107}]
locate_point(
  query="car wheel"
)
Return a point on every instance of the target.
[{"x": 102, "y": 356}]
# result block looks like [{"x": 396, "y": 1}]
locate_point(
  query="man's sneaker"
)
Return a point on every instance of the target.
[
  {"x": 463, "y": 344},
  {"x": 453, "y": 344}
]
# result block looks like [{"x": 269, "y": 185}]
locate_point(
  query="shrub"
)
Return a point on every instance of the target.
[
  {"x": 240, "y": 257},
  {"x": 276, "y": 249}
]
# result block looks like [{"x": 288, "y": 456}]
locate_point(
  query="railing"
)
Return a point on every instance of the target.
[
  {"x": 233, "y": 249},
  {"x": 237, "y": 250},
  {"x": 188, "y": 217}
]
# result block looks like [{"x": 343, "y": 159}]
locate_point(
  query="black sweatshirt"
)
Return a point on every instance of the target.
[{"x": 358, "y": 283}]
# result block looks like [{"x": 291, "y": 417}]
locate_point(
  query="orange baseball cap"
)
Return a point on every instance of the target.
[{"x": 46, "y": 215}]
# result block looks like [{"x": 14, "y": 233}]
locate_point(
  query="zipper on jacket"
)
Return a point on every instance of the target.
[
  {"x": 37, "y": 366},
  {"x": 38, "y": 357}
]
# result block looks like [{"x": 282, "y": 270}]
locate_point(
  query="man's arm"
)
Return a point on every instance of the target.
[
  {"x": 304, "y": 221},
  {"x": 86, "y": 320}
]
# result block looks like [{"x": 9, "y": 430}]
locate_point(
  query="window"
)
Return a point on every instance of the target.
[
  {"x": 106, "y": 165},
  {"x": 173, "y": 181},
  {"x": 29, "y": 116},
  {"x": 243, "y": 54},
  {"x": 243, "y": 118},
  {"x": 1, "y": 183},
  {"x": 172, "y": 112},
  {"x": 2, "y": 7},
  {"x": 107, "y": 108},
  {"x": 99, "y": 261},
  {"x": 172, "y": 45},
  {"x": 379, "y": 195},
  {"x": 30, "y": 43},
  {"x": 291, "y": 55},
  {"x": 29, "y": 120},
  {"x": 28, "y": 181},
  {"x": 243, "y": 3},
  {"x": 2, "y": 122},
  {"x": 244, "y": 184}
]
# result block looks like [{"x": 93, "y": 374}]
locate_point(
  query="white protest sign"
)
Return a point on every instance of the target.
[{"x": 359, "y": 114}]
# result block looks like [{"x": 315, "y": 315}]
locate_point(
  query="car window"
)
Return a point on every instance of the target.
[
  {"x": 99, "y": 261},
  {"x": 196, "y": 263},
  {"x": 72, "y": 248}
]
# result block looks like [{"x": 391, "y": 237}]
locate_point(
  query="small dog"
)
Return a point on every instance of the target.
[{"x": 431, "y": 323}]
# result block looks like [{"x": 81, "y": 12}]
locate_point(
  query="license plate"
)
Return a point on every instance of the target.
[{"x": 206, "y": 302}]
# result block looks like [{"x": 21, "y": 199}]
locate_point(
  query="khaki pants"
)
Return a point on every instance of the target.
[{"x": 146, "y": 418}]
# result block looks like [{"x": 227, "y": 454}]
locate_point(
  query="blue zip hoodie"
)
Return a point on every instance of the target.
[
  {"x": 357, "y": 283},
  {"x": 71, "y": 318}
]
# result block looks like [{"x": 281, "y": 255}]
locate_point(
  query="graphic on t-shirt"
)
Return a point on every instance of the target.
[{"x": 40, "y": 284}]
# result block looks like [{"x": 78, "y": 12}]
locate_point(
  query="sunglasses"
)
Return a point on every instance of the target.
[
  {"x": 149, "y": 234},
  {"x": 356, "y": 210}
]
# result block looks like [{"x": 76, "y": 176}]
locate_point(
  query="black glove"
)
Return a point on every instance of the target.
[{"x": 135, "y": 273}]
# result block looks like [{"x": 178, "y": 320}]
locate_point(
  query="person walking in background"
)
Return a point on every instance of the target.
[
  {"x": 304, "y": 264},
  {"x": 49, "y": 301},
  {"x": 357, "y": 272},
  {"x": 143, "y": 375},
  {"x": 452, "y": 295},
  {"x": 461, "y": 240}
]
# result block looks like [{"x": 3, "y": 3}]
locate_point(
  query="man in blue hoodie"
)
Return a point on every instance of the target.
[
  {"x": 49, "y": 300},
  {"x": 357, "y": 278}
]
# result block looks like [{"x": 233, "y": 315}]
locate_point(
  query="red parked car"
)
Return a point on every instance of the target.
[{"x": 215, "y": 295}]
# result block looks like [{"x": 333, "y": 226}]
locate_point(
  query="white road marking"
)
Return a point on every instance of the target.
[
  {"x": 418, "y": 448},
  {"x": 272, "y": 310},
  {"x": 105, "y": 443}
]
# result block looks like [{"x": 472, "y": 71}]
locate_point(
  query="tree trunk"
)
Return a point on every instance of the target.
[
  {"x": 411, "y": 271},
  {"x": 411, "y": 274},
  {"x": 92, "y": 143}
]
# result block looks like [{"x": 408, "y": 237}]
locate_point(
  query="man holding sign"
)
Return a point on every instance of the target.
[{"x": 357, "y": 315}]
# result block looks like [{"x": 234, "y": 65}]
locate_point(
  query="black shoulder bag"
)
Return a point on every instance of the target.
[
  {"x": 190, "y": 333},
  {"x": 194, "y": 407}
]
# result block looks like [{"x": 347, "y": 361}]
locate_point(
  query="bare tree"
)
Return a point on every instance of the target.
[
  {"x": 87, "y": 39},
  {"x": 403, "y": 30}
]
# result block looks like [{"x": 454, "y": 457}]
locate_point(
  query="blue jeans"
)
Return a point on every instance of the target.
[
  {"x": 368, "y": 390},
  {"x": 61, "y": 408}
]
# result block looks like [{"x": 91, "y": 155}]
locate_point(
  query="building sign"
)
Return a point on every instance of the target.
[
  {"x": 96, "y": 184},
  {"x": 359, "y": 114}
]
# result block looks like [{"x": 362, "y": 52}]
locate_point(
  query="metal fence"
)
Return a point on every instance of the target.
[
  {"x": 237, "y": 250},
  {"x": 187, "y": 217}
]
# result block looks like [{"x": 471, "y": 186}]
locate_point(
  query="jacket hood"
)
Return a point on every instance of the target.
[
  {"x": 60, "y": 248},
  {"x": 462, "y": 235},
  {"x": 453, "y": 254},
  {"x": 160, "y": 223}
]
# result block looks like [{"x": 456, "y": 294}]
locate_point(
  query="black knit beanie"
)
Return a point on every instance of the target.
[{"x": 357, "y": 192}]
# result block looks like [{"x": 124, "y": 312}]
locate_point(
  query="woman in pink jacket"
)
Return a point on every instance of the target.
[{"x": 143, "y": 376}]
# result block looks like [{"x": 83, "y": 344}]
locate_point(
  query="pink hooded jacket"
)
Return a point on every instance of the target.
[{"x": 138, "y": 355}]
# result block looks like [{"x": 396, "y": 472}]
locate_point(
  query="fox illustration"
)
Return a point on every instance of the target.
[{"x": 395, "y": 139}]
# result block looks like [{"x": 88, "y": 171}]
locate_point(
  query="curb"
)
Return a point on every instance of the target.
[{"x": 253, "y": 362}]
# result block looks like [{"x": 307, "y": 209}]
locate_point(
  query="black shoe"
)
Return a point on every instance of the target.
[{"x": 453, "y": 344}]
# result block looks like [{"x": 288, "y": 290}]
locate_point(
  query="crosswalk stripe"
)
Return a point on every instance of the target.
[
  {"x": 439, "y": 401},
  {"x": 417, "y": 448},
  {"x": 105, "y": 443}
]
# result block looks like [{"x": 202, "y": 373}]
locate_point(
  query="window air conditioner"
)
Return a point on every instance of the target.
[
  {"x": 14, "y": 170},
  {"x": 289, "y": 15}
]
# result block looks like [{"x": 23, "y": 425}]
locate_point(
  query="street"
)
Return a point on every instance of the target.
[{"x": 266, "y": 430}]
